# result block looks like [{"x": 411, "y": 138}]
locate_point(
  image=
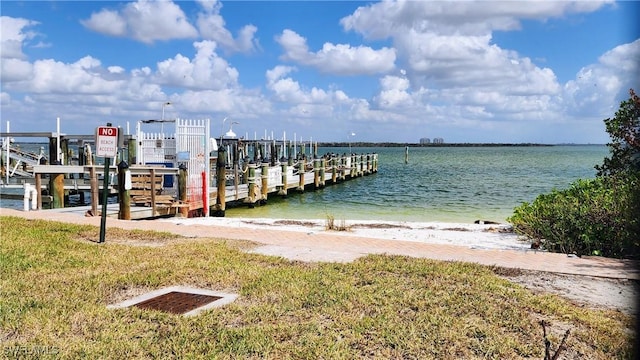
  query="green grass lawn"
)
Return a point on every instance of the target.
[{"x": 56, "y": 283}]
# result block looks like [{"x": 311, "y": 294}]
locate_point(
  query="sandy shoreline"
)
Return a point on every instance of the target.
[{"x": 475, "y": 236}]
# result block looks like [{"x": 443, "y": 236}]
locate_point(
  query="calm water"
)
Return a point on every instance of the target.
[
  {"x": 441, "y": 184},
  {"x": 438, "y": 184}
]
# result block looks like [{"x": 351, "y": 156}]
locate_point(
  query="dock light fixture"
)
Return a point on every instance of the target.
[
  {"x": 162, "y": 119},
  {"x": 222, "y": 129},
  {"x": 230, "y": 133},
  {"x": 349, "y": 136}
]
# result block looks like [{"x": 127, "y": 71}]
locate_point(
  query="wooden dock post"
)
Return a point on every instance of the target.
[
  {"x": 153, "y": 192},
  {"x": 302, "y": 168},
  {"x": 406, "y": 154},
  {"x": 251, "y": 178},
  {"x": 39, "y": 188},
  {"x": 323, "y": 167},
  {"x": 94, "y": 190},
  {"x": 265, "y": 182},
  {"x": 334, "y": 169},
  {"x": 316, "y": 173},
  {"x": 221, "y": 201},
  {"x": 182, "y": 190},
  {"x": 283, "y": 190},
  {"x": 131, "y": 151},
  {"x": 56, "y": 184},
  {"x": 124, "y": 198}
]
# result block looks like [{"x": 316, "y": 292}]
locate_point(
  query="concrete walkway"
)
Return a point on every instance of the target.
[{"x": 331, "y": 246}]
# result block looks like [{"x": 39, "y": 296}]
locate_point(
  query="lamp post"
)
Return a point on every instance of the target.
[
  {"x": 349, "y": 135},
  {"x": 222, "y": 130},
  {"x": 162, "y": 120}
]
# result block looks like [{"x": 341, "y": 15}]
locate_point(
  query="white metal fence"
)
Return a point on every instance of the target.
[{"x": 190, "y": 145}]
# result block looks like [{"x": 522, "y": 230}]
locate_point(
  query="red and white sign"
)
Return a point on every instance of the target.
[{"x": 106, "y": 141}]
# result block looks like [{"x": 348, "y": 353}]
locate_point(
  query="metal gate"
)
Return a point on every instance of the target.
[{"x": 189, "y": 146}]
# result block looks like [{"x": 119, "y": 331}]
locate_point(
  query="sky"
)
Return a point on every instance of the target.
[{"x": 390, "y": 71}]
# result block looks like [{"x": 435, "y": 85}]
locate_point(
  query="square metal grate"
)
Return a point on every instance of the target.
[{"x": 177, "y": 302}]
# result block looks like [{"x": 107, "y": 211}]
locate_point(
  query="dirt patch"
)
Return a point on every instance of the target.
[{"x": 588, "y": 291}]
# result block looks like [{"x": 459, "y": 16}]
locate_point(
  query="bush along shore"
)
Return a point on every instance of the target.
[{"x": 595, "y": 216}]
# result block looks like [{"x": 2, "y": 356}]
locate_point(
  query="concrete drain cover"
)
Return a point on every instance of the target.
[{"x": 179, "y": 300}]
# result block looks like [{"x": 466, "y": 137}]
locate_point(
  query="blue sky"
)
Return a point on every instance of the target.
[{"x": 392, "y": 71}]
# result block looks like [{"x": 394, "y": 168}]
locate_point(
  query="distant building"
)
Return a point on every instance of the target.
[
  {"x": 438, "y": 140},
  {"x": 425, "y": 141}
]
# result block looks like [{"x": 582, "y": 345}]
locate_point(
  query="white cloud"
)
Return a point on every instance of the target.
[
  {"x": 13, "y": 36},
  {"x": 393, "y": 93},
  {"x": 340, "y": 59},
  {"x": 390, "y": 18},
  {"x": 15, "y": 70},
  {"x": 143, "y": 20},
  {"x": 597, "y": 87},
  {"x": 107, "y": 22},
  {"x": 206, "y": 71},
  {"x": 212, "y": 27}
]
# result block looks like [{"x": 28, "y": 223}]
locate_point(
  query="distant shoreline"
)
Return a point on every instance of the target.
[
  {"x": 415, "y": 145},
  {"x": 389, "y": 144}
]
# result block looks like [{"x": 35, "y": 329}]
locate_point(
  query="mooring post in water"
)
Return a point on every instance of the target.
[
  {"x": 251, "y": 178},
  {"x": 375, "y": 162},
  {"x": 321, "y": 175},
  {"x": 334, "y": 169},
  {"x": 406, "y": 154},
  {"x": 124, "y": 185},
  {"x": 316, "y": 172},
  {"x": 284, "y": 164},
  {"x": 368, "y": 164},
  {"x": 302, "y": 168},
  {"x": 221, "y": 182},
  {"x": 265, "y": 182},
  {"x": 182, "y": 189}
]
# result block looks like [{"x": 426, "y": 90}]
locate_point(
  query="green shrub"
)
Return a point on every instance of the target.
[
  {"x": 591, "y": 217},
  {"x": 598, "y": 216}
]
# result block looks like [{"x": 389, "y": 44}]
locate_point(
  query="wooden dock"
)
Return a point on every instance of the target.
[
  {"x": 148, "y": 197},
  {"x": 186, "y": 173}
]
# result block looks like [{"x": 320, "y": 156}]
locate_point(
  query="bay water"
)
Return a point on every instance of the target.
[{"x": 439, "y": 184}]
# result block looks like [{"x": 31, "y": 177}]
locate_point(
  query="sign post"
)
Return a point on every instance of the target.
[{"x": 106, "y": 147}]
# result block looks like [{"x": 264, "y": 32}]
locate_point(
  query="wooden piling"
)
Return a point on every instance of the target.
[
  {"x": 94, "y": 191},
  {"x": 283, "y": 189},
  {"x": 323, "y": 167},
  {"x": 316, "y": 173},
  {"x": 265, "y": 182},
  {"x": 301, "y": 170},
  {"x": 182, "y": 190},
  {"x": 131, "y": 151},
  {"x": 153, "y": 192},
  {"x": 39, "y": 189},
  {"x": 221, "y": 165},
  {"x": 53, "y": 151},
  {"x": 56, "y": 184},
  {"x": 124, "y": 197},
  {"x": 251, "y": 178},
  {"x": 334, "y": 169}
]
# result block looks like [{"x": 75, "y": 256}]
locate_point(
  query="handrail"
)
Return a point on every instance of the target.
[{"x": 99, "y": 169}]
